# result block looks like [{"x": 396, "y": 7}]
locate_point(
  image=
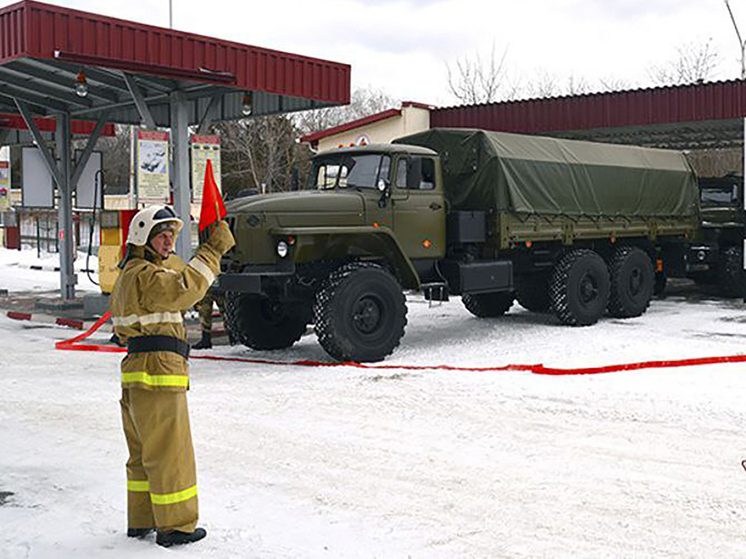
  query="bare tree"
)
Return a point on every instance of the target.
[
  {"x": 612, "y": 83},
  {"x": 363, "y": 102},
  {"x": 543, "y": 85},
  {"x": 261, "y": 153},
  {"x": 694, "y": 63},
  {"x": 476, "y": 81},
  {"x": 546, "y": 84},
  {"x": 116, "y": 160},
  {"x": 576, "y": 85}
]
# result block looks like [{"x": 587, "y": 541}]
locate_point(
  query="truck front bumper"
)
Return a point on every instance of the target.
[{"x": 258, "y": 280}]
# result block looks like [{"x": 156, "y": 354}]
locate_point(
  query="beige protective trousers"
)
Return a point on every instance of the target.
[{"x": 161, "y": 473}]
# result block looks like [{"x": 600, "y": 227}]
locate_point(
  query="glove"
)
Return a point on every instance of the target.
[{"x": 221, "y": 239}]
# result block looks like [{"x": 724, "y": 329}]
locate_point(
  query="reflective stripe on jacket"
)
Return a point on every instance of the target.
[{"x": 148, "y": 299}]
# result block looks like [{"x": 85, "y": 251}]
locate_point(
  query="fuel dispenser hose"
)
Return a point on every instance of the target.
[{"x": 73, "y": 344}]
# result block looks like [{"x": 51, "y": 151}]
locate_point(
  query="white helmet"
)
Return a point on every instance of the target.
[{"x": 148, "y": 218}]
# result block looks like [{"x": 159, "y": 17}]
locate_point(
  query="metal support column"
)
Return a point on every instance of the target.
[
  {"x": 210, "y": 114},
  {"x": 65, "y": 211},
  {"x": 181, "y": 186}
]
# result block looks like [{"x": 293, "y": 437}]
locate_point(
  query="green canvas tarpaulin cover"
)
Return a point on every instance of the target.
[{"x": 539, "y": 175}]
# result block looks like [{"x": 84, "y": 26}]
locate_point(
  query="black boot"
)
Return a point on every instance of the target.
[
  {"x": 167, "y": 539},
  {"x": 138, "y": 532},
  {"x": 205, "y": 342}
]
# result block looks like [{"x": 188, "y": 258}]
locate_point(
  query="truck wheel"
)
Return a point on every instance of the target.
[
  {"x": 579, "y": 288},
  {"x": 262, "y": 323},
  {"x": 360, "y": 313},
  {"x": 632, "y": 282},
  {"x": 532, "y": 292},
  {"x": 730, "y": 273},
  {"x": 488, "y": 305}
]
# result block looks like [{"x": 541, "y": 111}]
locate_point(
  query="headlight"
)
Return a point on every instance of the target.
[{"x": 282, "y": 249}]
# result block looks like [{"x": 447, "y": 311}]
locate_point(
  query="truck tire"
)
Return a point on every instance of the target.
[
  {"x": 262, "y": 323},
  {"x": 488, "y": 305},
  {"x": 632, "y": 282},
  {"x": 730, "y": 273},
  {"x": 579, "y": 288},
  {"x": 532, "y": 292},
  {"x": 360, "y": 313}
]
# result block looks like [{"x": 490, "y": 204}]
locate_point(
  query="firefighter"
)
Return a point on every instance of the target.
[{"x": 150, "y": 294}]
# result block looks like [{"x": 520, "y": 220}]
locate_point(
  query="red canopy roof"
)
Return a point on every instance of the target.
[
  {"x": 42, "y": 47},
  {"x": 681, "y": 116},
  {"x": 78, "y": 127}
]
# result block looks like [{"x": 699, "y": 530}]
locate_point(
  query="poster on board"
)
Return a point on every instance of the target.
[
  {"x": 152, "y": 166},
  {"x": 204, "y": 148},
  {"x": 4, "y": 185}
]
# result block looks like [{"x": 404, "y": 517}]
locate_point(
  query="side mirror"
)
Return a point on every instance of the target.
[{"x": 383, "y": 188}]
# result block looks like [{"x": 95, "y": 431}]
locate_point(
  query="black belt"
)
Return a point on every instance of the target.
[{"x": 143, "y": 344}]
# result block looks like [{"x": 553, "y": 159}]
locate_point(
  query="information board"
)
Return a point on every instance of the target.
[
  {"x": 152, "y": 166},
  {"x": 204, "y": 148}
]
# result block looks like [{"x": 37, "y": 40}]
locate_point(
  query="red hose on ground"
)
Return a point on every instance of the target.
[
  {"x": 539, "y": 369},
  {"x": 73, "y": 345}
]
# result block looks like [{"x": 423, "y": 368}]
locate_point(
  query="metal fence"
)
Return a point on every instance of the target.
[{"x": 39, "y": 229}]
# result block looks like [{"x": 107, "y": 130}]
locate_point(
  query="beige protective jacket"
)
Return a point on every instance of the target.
[{"x": 149, "y": 298}]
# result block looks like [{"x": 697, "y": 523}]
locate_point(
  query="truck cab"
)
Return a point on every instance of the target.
[
  {"x": 716, "y": 256},
  {"x": 374, "y": 211},
  {"x": 401, "y": 188}
]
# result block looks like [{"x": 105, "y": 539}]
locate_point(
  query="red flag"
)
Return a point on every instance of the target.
[{"x": 212, "y": 209}]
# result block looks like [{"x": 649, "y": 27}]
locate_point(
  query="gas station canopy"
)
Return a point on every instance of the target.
[{"x": 43, "y": 49}]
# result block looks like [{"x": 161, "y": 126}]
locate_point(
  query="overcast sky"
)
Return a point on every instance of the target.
[{"x": 402, "y": 46}]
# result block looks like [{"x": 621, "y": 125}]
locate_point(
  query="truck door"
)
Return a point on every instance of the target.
[
  {"x": 378, "y": 213},
  {"x": 418, "y": 207}
]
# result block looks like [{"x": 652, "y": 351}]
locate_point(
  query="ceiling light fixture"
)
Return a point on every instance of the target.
[
  {"x": 246, "y": 108},
  {"x": 81, "y": 84}
]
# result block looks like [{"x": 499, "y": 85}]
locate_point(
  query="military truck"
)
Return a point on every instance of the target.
[
  {"x": 715, "y": 256},
  {"x": 575, "y": 228}
]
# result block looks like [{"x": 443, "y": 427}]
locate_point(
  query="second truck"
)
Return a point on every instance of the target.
[{"x": 575, "y": 228}]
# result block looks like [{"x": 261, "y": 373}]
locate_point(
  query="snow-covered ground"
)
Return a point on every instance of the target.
[
  {"x": 16, "y": 273},
  {"x": 347, "y": 462}
]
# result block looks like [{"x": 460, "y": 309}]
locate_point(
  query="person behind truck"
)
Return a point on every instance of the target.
[
  {"x": 204, "y": 309},
  {"x": 149, "y": 296}
]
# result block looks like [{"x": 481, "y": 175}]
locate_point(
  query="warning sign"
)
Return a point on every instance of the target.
[{"x": 204, "y": 148}]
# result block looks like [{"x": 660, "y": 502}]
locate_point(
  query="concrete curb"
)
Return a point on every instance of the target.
[
  {"x": 79, "y": 324},
  {"x": 46, "y": 319},
  {"x": 42, "y": 268}
]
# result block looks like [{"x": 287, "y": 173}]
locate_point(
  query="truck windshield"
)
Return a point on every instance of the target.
[
  {"x": 349, "y": 171},
  {"x": 725, "y": 195}
]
